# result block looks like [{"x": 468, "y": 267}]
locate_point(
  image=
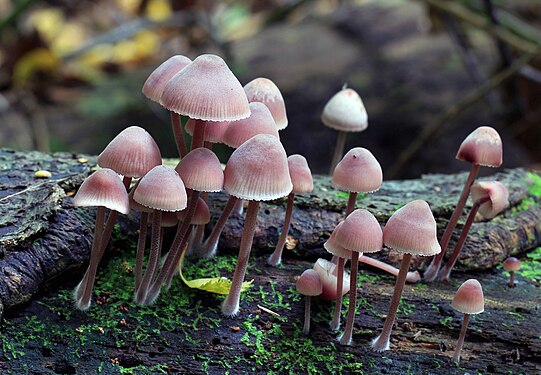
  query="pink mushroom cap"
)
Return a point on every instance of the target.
[
  {"x": 496, "y": 192},
  {"x": 214, "y": 131},
  {"x": 360, "y": 232},
  {"x": 326, "y": 271},
  {"x": 483, "y": 146},
  {"x": 511, "y": 264},
  {"x": 309, "y": 283},
  {"x": 201, "y": 170},
  {"x": 103, "y": 188},
  {"x": 300, "y": 174},
  {"x": 259, "y": 122},
  {"x": 161, "y": 189},
  {"x": 201, "y": 215},
  {"x": 156, "y": 81},
  {"x": 469, "y": 298},
  {"x": 265, "y": 91},
  {"x": 333, "y": 247},
  {"x": 358, "y": 171}
]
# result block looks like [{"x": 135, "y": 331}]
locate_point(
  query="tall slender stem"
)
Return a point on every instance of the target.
[
  {"x": 83, "y": 291},
  {"x": 140, "y": 254},
  {"x": 178, "y": 133},
  {"x": 230, "y": 306},
  {"x": 335, "y": 322},
  {"x": 351, "y": 202},
  {"x": 381, "y": 343},
  {"x": 198, "y": 138},
  {"x": 445, "y": 271},
  {"x": 412, "y": 277},
  {"x": 345, "y": 339},
  {"x": 153, "y": 258},
  {"x": 276, "y": 257},
  {"x": 460, "y": 342},
  {"x": 338, "y": 150},
  {"x": 307, "y": 303},
  {"x": 208, "y": 249},
  {"x": 432, "y": 270}
]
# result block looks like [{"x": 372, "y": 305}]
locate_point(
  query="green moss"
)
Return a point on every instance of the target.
[
  {"x": 535, "y": 187},
  {"x": 530, "y": 268}
]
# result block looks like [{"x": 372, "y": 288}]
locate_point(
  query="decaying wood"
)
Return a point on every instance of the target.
[{"x": 42, "y": 235}]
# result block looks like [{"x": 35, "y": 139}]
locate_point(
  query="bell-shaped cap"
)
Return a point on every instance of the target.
[
  {"x": 201, "y": 215},
  {"x": 201, "y": 170},
  {"x": 333, "y": 247},
  {"x": 309, "y": 283},
  {"x": 169, "y": 219},
  {"x": 214, "y": 130},
  {"x": 156, "y": 81},
  {"x": 328, "y": 274},
  {"x": 161, "y": 189},
  {"x": 360, "y": 232},
  {"x": 412, "y": 230},
  {"x": 134, "y": 205},
  {"x": 207, "y": 90},
  {"x": 300, "y": 174},
  {"x": 257, "y": 170},
  {"x": 103, "y": 188},
  {"x": 469, "y": 298},
  {"x": 483, "y": 146},
  {"x": 511, "y": 264},
  {"x": 345, "y": 111},
  {"x": 265, "y": 91},
  {"x": 358, "y": 171},
  {"x": 259, "y": 122},
  {"x": 497, "y": 194},
  {"x": 132, "y": 153}
]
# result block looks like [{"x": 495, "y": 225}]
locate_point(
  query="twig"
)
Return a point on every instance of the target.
[{"x": 457, "y": 108}]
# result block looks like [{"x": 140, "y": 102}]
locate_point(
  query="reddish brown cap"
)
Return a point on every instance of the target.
[
  {"x": 161, "y": 189},
  {"x": 157, "y": 80},
  {"x": 257, "y": 170},
  {"x": 497, "y": 194},
  {"x": 103, "y": 188},
  {"x": 206, "y": 89},
  {"x": 169, "y": 219},
  {"x": 327, "y": 274},
  {"x": 345, "y": 111},
  {"x": 360, "y": 232},
  {"x": 259, "y": 122},
  {"x": 511, "y": 264},
  {"x": 358, "y": 171},
  {"x": 333, "y": 247},
  {"x": 132, "y": 153},
  {"x": 309, "y": 283},
  {"x": 201, "y": 215},
  {"x": 265, "y": 91},
  {"x": 469, "y": 298},
  {"x": 300, "y": 174},
  {"x": 412, "y": 230},
  {"x": 201, "y": 170},
  {"x": 214, "y": 130},
  {"x": 483, "y": 146}
]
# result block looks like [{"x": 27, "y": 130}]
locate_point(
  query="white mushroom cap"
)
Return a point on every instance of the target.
[
  {"x": 309, "y": 283},
  {"x": 345, "y": 111}
]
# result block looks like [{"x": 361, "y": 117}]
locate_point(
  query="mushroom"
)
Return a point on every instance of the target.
[
  {"x": 153, "y": 89},
  {"x": 360, "y": 232},
  {"x": 161, "y": 189},
  {"x": 301, "y": 177},
  {"x": 260, "y": 121},
  {"x": 265, "y": 91},
  {"x": 102, "y": 189},
  {"x": 468, "y": 300},
  {"x": 483, "y": 147},
  {"x": 344, "y": 112},
  {"x": 308, "y": 284},
  {"x": 412, "y": 276},
  {"x": 489, "y": 199},
  {"x": 410, "y": 230},
  {"x": 256, "y": 171},
  {"x": 207, "y": 91},
  {"x": 511, "y": 265},
  {"x": 328, "y": 273}
]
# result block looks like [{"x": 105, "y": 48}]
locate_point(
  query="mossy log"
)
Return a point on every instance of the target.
[{"x": 42, "y": 235}]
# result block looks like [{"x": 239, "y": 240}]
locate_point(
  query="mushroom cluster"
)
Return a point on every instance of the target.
[{"x": 218, "y": 109}]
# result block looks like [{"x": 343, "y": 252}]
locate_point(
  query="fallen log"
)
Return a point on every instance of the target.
[{"x": 43, "y": 235}]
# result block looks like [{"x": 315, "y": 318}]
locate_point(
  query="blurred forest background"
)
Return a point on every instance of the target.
[{"x": 429, "y": 71}]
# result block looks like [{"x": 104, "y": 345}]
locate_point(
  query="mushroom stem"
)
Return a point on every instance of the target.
[
  {"x": 338, "y": 150},
  {"x": 412, "y": 277},
  {"x": 200, "y": 231},
  {"x": 460, "y": 342},
  {"x": 381, "y": 343},
  {"x": 432, "y": 270},
  {"x": 141, "y": 241},
  {"x": 276, "y": 257},
  {"x": 345, "y": 339},
  {"x": 351, "y": 202},
  {"x": 198, "y": 138},
  {"x": 335, "y": 322},
  {"x": 141, "y": 292},
  {"x": 445, "y": 271},
  {"x": 208, "y": 249},
  {"x": 83, "y": 291},
  {"x": 179, "y": 134},
  {"x": 307, "y": 303},
  {"x": 230, "y": 306},
  {"x": 511, "y": 279}
]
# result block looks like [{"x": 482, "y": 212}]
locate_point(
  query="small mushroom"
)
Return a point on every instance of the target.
[
  {"x": 309, "y": 284},
  {"x": 265, "y": 91},
  {"x": 511, "y": 265},
  {"x": 329, "y": 278},
  {"x": 468, "y": 300}
]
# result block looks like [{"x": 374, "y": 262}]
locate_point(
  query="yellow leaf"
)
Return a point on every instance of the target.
[
  {"x": 158, "y": 10},
  {"x": 37, "y": 60},
  {"x": 217, "y": 285}
]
